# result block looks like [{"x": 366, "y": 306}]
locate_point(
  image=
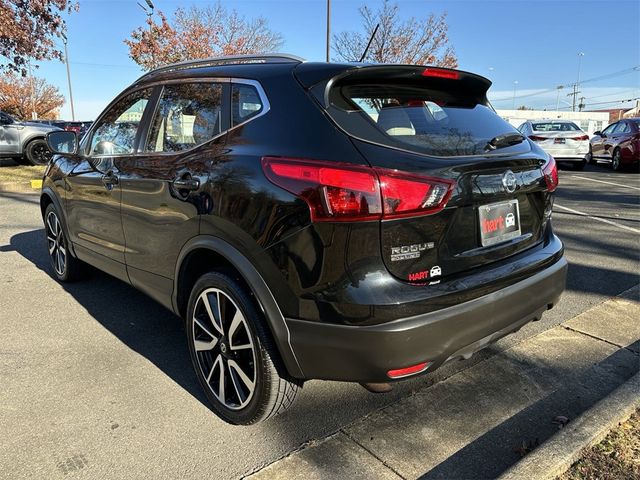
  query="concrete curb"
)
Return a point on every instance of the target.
[
  {"x": 556, "y": 455},
  {"x": 33, "y": 187}
]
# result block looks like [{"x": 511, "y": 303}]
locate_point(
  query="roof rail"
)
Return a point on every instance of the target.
[{"x": 226, "y": 60}]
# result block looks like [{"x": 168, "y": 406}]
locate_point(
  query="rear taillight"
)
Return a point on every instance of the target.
[
  {"x": 405, "y": 195},
  {"x": 550, "y": 172},
  {"x": 441, "y": 73},
  {"x": 536, "y": 138},
  {"x": 345, "y": 192},
  {"x": 582, "y": 137}
]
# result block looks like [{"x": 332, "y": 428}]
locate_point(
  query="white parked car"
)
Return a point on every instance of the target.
[{"x": 561, "y": 138}]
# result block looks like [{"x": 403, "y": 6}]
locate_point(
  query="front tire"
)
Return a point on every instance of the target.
[
  {"x": 589, "y": 158},
  {"x": 36, "y": 152},
  {"x": 232, "y": 351},
  {"x": 616, "y": 160},
  {"x": 66, "y": 268}
]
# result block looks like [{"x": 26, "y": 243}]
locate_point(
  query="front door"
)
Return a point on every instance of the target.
[
  {"x": 599, "y": 141},
  {"x": 162, "y": 187},
  {"x": 94, "y": 192},
  {"x": 9, "y": 135}
]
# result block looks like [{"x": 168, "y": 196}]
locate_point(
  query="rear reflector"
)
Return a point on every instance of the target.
[
  {"x": 550, "y": 172},
  {"x": 405, "y": 372},
  {"x": 344, "y": 192},
  {"x": 441, "y": 73}
]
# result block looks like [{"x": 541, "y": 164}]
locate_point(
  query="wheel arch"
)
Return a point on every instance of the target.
[
  {"x": 48, "y": 197},
  {"x": 205, "y": 253}
]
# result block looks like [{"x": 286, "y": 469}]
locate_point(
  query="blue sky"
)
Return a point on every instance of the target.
[{"x": 533, "y": 43}]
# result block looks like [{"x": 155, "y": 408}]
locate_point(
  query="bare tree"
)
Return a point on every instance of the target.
[
  {"x": 19, "y": 96},
  {"x": 199, "y": 33},
  {"x": 413, "y": 41},
  {"x": 28, "y": 29}
]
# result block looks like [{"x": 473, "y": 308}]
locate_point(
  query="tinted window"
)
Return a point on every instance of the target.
[
  {"x": 609, "y": 129},
  {"x": 418, "y": 119},
  {"x": 622, "y": 128},
  {"x": 188, "y": 114},
  {"x": 555, "y": 127},
  {"x": 117, "y": 129},
  {"x": 245, "y": 103}
]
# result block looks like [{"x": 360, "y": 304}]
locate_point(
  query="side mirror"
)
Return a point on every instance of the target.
[
  {"x": 598, "y": 132},
  {"x": 63, "y": 142}
]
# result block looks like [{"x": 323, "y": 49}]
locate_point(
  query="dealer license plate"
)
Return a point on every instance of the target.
[{"x": 499, "y": 222}]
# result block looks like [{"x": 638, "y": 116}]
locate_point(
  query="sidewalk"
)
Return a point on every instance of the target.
[{"x": 480, "y": 422}]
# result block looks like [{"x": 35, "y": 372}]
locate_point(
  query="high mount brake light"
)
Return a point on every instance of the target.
[
  {"x": 550, "y": 172},
  {"x": 441, "y": 73},
  {"x": 338, "y": 192}
]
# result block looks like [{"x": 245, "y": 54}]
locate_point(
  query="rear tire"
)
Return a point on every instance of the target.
[
  {"x": 232, "y": 351},
  {"x": 36, "y": 152},
  {"x": 66, "y": 268}
]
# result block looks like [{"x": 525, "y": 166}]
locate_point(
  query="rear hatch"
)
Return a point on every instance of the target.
[{"x": 435, "y": 126}]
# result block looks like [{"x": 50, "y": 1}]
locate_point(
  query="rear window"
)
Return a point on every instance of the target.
[
  {"x": 555, "y": 127},
  {"x": 419, "y": 119}
]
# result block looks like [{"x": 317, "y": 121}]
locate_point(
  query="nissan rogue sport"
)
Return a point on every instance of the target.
[{"x": 353, "y": 222}]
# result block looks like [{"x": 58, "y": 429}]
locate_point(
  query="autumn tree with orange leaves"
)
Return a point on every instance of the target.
[
  {"x": 413, "y": 41},
  {"x": 199, "y": 32},
  {"x": 19, "y": 96},
  {"x": 28, "y": 30}
]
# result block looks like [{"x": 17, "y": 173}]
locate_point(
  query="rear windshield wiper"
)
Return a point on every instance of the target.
[{"x": 504, "y": 140}]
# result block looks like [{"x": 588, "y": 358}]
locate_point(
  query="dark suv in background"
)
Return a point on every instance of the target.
[{"x": 350, "y": 222}]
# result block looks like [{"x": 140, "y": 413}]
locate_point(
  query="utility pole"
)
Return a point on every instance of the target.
[
  {"x": 581, "y": 104},
  {"x": 34, "y": 115},
  {"x": 559, "y": 87},
  {"x": 515, "y": 86},
  {"x": 66, "y": 61}
]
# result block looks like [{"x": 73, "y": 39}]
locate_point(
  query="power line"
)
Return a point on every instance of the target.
[{"x": 568, "y": 85}]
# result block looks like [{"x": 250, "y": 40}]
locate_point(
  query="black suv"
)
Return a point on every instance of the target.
[{"x": 350, "y": 222}]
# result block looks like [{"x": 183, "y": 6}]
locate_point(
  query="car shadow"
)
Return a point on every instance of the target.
[{"x": 135, "y": 319}]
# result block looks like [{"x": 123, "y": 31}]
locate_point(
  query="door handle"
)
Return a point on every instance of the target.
[
  {"x": 109, "y": 180},
  {"x": 186, "y": 183}
]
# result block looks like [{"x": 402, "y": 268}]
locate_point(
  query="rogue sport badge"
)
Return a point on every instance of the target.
[{"x": 509, "y": 181}]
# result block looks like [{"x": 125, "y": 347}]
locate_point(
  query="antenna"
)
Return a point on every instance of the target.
[{"x": 366, "y": 50}]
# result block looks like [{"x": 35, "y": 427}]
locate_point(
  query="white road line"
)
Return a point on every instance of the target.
[
  {"x": 602, "y": 181},
  {"x": 603, "y": 220}
]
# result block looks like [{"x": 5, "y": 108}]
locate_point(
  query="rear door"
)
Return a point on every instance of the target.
[
  {"x": 438, "y": 126},
  {"x": 162, "y": 187},
  {"x": 9, "y": 135}
]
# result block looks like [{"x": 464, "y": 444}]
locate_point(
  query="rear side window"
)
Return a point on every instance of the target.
[
  {"x": 245, "y": 103},
  {"x": 188, "y": 114},
  {"x": 555, "y": 127},
  {"x": 418, "y": 118}
]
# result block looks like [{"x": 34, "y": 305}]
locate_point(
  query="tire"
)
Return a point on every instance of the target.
[
  {"x": 36, "y": 152},
  {"x": 245, "y": 383},
  {"x": 66, "y": 268},
  {"x": 616, "y": 160},
  {"x": 589, "y": 158}
]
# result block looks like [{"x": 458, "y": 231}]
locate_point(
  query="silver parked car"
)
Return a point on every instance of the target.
[
  {"x": 24, "y": 141},
  {"x": 561, "y": 138}
]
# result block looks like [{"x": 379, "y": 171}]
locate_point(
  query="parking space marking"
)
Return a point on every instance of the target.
[
  {"x": 602, "y": 181},
  {"x": 603, "y": 220}
]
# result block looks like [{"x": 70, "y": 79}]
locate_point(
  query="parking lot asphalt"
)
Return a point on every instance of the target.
[{"x": 96, "y": 381}]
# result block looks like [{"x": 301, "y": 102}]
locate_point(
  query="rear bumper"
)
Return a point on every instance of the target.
[{"x": 367, "y": 353}]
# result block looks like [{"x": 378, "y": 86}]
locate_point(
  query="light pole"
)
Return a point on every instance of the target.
[
  {"x": 66, "y": 61},
  {"x": 559, "y": 87},
  {"x": 149, "y": 13},
  {"x": 575, "y": 89},
  {"x": 328, "y": 28},
  {"x": 515, "y": 86}
]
